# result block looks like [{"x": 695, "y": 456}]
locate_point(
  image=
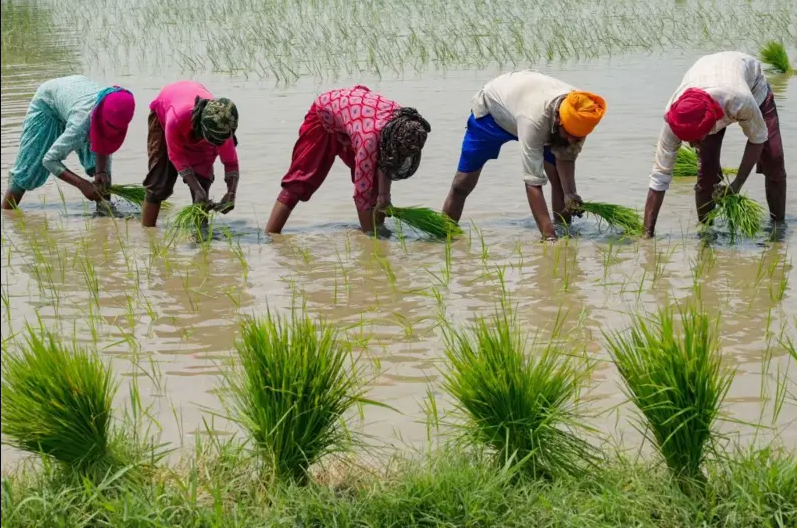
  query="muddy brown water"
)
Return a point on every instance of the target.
[{"x": 180, "y": 311}]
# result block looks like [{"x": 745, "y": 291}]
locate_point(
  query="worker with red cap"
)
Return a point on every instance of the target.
[
  {"x": 720, "y": 89},
  {"x": 70, "y": 114},
  {"x": 550, "y": 119}
]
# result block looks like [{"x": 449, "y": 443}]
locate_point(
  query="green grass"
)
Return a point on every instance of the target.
[
  {"x": 518, "y": 400},
  {"x": 214, "y": 487},
  {"x": 619, "y": 217},
  {"x": 56, "y": 400},
  {"x": 742, "y": 215},
  {"x": 426, "y": 221},
  {"x": 675, "y": 378},
  {"x": 294, "y": 386},
  {"x": 774, "y": 55}
]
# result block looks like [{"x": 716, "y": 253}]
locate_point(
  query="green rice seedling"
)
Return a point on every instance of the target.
[
  {"x": 295, "y": 383},
  {"x": 57, "y": 401},
  {"x": 519, "y": 401},
  {"x": 686, "y": 164},
  {"x": 133, "y": 194},
  {"x": 192, "y": 219},
  {"x": 676, "y": 379},
  {"x": 774, "y": 55},
  {"x": 426, "y": 221},
  {"x": 742, "y": 215},
  {"x": 617, "y": 216}
]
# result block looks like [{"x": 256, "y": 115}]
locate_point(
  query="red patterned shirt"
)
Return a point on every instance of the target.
[{"x": 357, "y": 116}]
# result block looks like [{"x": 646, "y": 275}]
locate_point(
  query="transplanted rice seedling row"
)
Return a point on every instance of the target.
[{"x": 157, "y": 36}]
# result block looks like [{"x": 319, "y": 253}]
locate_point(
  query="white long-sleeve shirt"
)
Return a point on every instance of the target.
[
  {"x": 524, "y": 103},
  {"x": 736, "y": 81}
]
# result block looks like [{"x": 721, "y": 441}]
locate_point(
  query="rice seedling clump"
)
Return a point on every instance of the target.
[
  {"x": 519, "y": 401},
  {"x": 57, "y": 401},
  {"x": 293, "y": 387},
  {"x": 774, "y": 55},
  {"x": 426, "y": 221},
  {"x": 676, "y": 379},
  {"x": 686, "y": 163},
  {"x": 617, "y": 216},
  {"x": 192, "y": 219},
  {"x": 742, "y": 215}
]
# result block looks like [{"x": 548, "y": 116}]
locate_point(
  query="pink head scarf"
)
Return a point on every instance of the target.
[
  {"x": 692, "y": 116},
  {"x": 110, "y": 119}
]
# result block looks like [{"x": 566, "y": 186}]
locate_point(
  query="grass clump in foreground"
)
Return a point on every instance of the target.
[
  {"x": 774, "y": 55},
  {"x": 519, "y": 401},
  {"x": 426, "y": 221},
  {"x": 293, "y": 387},
  {"x": 742, "y": 215},
  {"x": 675, "y": 378},
  {"x": 215, "y": 488},
  {"x": 617, "y": 216},
  {"x": 57, "y": 401}
]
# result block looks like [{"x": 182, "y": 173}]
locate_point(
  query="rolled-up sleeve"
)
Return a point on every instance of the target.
[
  {"x": 532, "y": 144},
  {"x": 568, "y": 152},
  {"x": 666, "y": 154},
  {"x": 73, "y": 139}
]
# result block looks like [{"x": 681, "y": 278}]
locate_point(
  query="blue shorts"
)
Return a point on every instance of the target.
[{"x": 483, "y": 141}]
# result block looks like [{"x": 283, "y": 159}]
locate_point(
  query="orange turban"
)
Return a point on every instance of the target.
[{"x": 580, "y": 112}]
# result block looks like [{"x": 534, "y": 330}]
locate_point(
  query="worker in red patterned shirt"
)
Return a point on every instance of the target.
[{"x": 379, "y": 141}]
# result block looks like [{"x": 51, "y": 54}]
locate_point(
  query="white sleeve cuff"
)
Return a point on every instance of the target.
[
  {"x": 535, "y": 181},
  {"x": 657, "y": 184}
]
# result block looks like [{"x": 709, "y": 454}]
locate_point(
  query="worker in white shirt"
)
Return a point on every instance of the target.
[
  {"x": 720, "y": 89},
  {"x": 550, "y": 118}
]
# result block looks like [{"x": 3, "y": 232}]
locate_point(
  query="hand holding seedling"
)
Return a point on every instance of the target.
[
  {"x": 573, "y": 203},
  {"x": 226, "y": 204},
  {"x": 721, "y": 190}
]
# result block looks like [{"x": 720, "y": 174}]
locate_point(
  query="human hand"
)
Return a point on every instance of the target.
[
  {"x": 199, "y": 195},
  {"x": 227, "y": 203},
  {"x": 721, "y": 190},
  {"x": 383, "y": 203},
  {"x": 91, "y": 191},
  {"x": 573, "y": 203},
  {"x": 102, "y": 180}
]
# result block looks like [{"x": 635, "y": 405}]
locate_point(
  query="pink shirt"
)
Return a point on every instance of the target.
[
  {"x": 360, "y": 115},
  {"x": 173, "y": 107}
]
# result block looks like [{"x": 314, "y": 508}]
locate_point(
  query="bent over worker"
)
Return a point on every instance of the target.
[
  {"x": 550, "y": 119},
  {"x": 70, "y": 114},
  {"x": 377, "y": 139},
  {"x": 718, "y": 90},
  {"x": 188, "y": 130}
]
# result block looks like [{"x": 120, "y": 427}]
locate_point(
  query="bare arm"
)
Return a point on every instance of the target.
[
  {"x": 751, "y": 154},
  {"x": 652, "y": 208},
  {"x": 567, "y": 175},
  {"x": 539, "y": 209}
]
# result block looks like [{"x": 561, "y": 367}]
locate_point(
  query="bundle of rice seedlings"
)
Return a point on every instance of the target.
[
  {"x": 617, "y": 216},
  {"x": 426, "y": 221},
  {"x": 742, "y": 215},
  {"x": 133, "y": 194},
  {"x": 57, "y": 401},
  {"x": 293, "y": 387},
  {"x": 685, "y": 163},
  {"x": 677, "y": 382},
  {"x": 519, "y": 401},
  {"x": 192, "y": 219},
  {"x": 774, "y": 55}
]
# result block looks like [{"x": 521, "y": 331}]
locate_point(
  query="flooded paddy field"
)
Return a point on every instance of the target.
[{"x": 169, "y": 314}]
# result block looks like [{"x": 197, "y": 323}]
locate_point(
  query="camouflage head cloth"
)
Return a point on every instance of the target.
[{"x": 215, "y": 120}]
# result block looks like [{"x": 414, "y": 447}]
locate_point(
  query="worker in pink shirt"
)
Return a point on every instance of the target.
[
  {"x": 188, "y": 129},
  {"x": 377, "y": 139}
]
